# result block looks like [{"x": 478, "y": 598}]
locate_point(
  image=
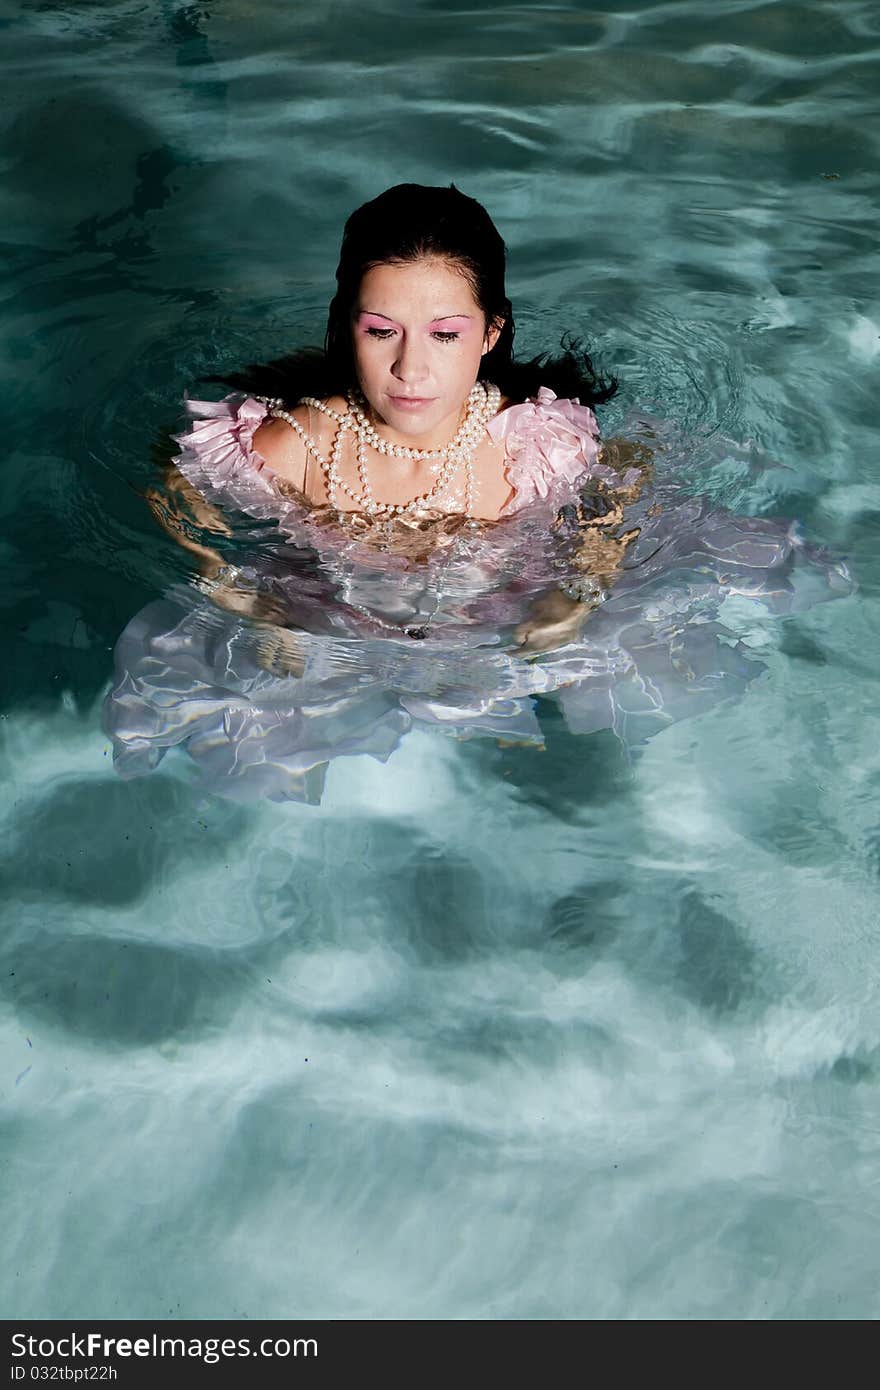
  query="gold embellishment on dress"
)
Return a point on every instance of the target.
[{"x": 598, "y": 550}]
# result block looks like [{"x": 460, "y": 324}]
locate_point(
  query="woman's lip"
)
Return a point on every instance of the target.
[{"x": 411, "y": 402}]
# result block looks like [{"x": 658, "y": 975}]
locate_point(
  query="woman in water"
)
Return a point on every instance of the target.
[
  {"x": 415, "y": 411},
  {"x": 435, "y": 512}
]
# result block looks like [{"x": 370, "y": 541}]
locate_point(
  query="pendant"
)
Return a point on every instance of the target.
[{"x": 417, "y": 633}]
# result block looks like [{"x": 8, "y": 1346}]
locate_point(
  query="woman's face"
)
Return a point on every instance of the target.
[{"x": 418, "y": 336}]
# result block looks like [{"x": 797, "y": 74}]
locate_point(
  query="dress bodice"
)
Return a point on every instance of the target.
[
  {"x": 549, "y": 444},
  {"x": 392, "y": 572}
]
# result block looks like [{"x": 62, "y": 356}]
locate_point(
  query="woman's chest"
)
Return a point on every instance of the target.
[{"x": 350, "y": 476}]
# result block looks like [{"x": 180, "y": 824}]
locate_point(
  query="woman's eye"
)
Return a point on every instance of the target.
[{"x": 438, "y": 334}]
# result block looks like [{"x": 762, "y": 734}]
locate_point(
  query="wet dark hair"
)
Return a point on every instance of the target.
[{"x": 405, "y": 224}]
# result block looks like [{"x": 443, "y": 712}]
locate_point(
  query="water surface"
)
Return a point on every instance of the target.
[{"x": 492, "y": 1032}]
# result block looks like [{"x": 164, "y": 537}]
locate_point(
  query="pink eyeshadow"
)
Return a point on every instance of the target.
[
  {"x": 458, "y": 323},
  {"x": 375, "y": 321}
]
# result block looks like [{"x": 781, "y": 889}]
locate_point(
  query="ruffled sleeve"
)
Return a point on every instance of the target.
[
  {"x": 218, "y": 455},
  {"x": 550, "y": 444}
]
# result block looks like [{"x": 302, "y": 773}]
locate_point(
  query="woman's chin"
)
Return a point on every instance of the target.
[{"x": 418, "y": 422}]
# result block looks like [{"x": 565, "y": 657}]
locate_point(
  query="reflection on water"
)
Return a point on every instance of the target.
[{"x": 492, "y": 1031}]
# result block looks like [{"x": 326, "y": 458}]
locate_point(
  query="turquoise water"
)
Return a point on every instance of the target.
[{"x": 491, "y": 1033}]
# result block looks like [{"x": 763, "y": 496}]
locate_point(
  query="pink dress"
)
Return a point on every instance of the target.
[
  {"x": 193, "y": 675},
  {"x": 550, "y": 445}
]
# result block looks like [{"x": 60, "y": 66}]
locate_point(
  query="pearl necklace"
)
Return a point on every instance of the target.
[{"x": 483, "y": 402}]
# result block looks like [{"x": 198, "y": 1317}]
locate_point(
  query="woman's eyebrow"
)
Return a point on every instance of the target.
[
  {"x": 372, "y": 314},
  {"x": 441, "y": 318}
]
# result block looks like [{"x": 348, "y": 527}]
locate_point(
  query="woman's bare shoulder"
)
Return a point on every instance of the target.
[{"x": 282, "y": 447}]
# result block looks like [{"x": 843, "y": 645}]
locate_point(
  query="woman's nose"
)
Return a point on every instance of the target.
[{"x": 411, "y": 363}]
